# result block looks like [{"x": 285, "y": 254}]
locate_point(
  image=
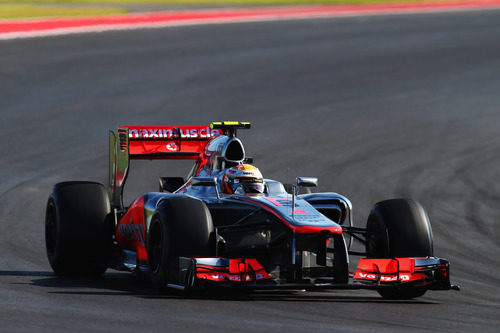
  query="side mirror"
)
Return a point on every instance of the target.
[
  {"x": 302, "y": 182},
  {"x": 307, "y": 181},
  {"x": 203, "y": 181}
]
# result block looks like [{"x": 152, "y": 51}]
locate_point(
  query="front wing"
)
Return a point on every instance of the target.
[{"x": 430, "y": 273}]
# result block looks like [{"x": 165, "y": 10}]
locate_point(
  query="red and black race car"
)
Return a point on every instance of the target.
[{"x": 225, "y": 225}]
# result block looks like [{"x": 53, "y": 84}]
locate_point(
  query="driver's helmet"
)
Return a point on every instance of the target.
[{"x": 242, "y": 179}]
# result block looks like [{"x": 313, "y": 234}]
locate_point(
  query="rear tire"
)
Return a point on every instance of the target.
[
  {"x": 78, "y": 235},
  {"x": 399, "y": 228},
  {"x": 180, "y": 227}
]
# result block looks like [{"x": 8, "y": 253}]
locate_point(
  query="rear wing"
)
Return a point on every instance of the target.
[
  {"x": 166, "y": 142},
  {"x": 150, "y": 143},
  {"x": 158, "y": 142}
]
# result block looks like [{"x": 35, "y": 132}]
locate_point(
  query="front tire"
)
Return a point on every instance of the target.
[
  {"x": 399, "y": 228},
  {"x": 180, "y": 227},
  {"x": 78, "y": 237}
]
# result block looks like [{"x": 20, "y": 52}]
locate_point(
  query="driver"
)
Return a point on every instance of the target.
[{"x": 242, "y": 179}]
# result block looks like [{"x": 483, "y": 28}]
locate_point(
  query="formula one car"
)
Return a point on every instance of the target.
[{"x": 225, "y": 225}]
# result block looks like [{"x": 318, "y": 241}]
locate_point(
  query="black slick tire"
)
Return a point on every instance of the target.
[
  {"x": 180, "y": 227},
  {"x": 78, "y": 235},
  {"x": 399, "y": 228}
]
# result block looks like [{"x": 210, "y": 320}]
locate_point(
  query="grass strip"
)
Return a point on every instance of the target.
[{"x": 19, "y": 11}]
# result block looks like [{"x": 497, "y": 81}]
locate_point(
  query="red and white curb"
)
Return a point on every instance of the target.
[{"x": 11, "y": 29}]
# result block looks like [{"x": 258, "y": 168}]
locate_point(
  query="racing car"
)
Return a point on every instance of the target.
[{"x": 225, "y": 225}]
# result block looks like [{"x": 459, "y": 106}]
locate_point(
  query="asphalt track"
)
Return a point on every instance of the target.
[{"x": 376, "y": 107}]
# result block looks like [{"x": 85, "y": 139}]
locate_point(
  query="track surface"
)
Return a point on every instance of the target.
[{"x": 375, "y": 107}]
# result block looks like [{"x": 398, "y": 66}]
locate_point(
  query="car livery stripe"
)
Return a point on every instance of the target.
[{"x": 28, "y": 28}]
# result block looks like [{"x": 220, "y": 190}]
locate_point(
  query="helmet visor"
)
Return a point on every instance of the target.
[{"x": 250, "y": 185}]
